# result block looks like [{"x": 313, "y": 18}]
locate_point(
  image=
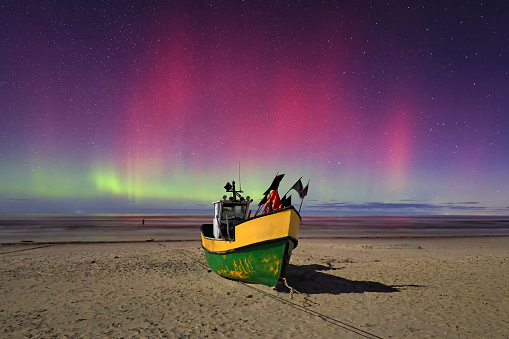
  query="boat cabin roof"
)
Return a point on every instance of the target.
[{"x": 232, "y": 202}]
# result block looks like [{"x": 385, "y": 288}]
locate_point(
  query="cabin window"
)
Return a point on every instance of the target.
[{"x": 234, "y": 211}]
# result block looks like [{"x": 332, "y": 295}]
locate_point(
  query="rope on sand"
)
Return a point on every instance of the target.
[
  {"x": 324, "y": 317},
  {"x": 302, "y": 307},
  {"x": 26, "y": 249},
  {"x": 305, "y": 297}
]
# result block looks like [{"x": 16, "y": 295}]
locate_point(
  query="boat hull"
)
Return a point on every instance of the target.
[
  {"x": 261, "y": 250},
  {"x": 262, "y": 263}
]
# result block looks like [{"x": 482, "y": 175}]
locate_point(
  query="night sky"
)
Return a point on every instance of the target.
[{"x": 148, "y": 106}]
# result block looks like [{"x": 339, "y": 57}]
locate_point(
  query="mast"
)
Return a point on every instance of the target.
[
  {"x": 234, "y": 192},
  {"x": 231, "y": 188},
  {"x": 240, "y": 183}
]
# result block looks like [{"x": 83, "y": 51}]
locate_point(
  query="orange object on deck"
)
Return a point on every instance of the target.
[{"x": 273, "y": 202}]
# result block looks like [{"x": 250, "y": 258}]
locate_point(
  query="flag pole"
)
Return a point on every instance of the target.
[
  {"x": 302, "y": 199},
  {"x": 258, "y": 210}
]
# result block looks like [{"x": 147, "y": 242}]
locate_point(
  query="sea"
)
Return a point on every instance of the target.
[{"x": 47, "y": 228}]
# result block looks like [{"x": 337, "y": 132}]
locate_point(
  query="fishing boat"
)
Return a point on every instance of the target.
[{"x": 254, "y": 249}]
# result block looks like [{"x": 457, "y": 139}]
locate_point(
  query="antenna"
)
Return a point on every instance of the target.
[{"x": 240, "y": 183}]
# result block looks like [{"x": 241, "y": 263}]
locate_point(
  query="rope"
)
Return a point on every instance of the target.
[
  {"x": 324, "y": 317},
  {"x": 26, "y": 249},
  {"x": 305, "y": 298},
  {"x": 302, "y": 307}
]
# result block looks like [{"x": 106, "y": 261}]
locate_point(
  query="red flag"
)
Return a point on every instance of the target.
[{"x": 304, "y": 191}]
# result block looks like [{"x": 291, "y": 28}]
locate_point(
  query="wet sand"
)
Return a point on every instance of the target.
[{"x": 446, "y": 287}]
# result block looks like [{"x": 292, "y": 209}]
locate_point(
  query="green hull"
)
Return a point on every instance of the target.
[{"x": 262, "y": 263}]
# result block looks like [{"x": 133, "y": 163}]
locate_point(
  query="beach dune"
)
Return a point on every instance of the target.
[{"x": 387, "y": 287}]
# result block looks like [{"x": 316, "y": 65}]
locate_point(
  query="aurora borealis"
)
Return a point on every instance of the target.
[{"x": 139, "y": 107}]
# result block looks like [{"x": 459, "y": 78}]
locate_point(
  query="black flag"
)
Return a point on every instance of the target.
[
  {"x": 275, "y": 183},
  {"x": 297, "y": 186},
  {"x": 286, "y": 202}
]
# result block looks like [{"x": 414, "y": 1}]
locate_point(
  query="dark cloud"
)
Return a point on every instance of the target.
[
  {"x": 404, "y": 207},
  {"x": 462, "y": 203},
  {"x": 372, "y": 206},
  {"x": 20, "y": 200}
]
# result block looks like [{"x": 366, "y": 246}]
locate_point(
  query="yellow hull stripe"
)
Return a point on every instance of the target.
[{"x": 267, "y": 227}]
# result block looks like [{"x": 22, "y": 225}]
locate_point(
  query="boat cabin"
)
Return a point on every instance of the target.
[{"x": 227, "y": 214}]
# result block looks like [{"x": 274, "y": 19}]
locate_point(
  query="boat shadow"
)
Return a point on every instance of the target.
[{"x": 311, "y": 279}]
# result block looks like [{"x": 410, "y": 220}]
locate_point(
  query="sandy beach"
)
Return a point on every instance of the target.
[{"x": 444, "y": 287}]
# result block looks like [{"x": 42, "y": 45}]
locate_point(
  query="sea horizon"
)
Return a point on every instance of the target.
[{"x": 113, "y": 227}]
